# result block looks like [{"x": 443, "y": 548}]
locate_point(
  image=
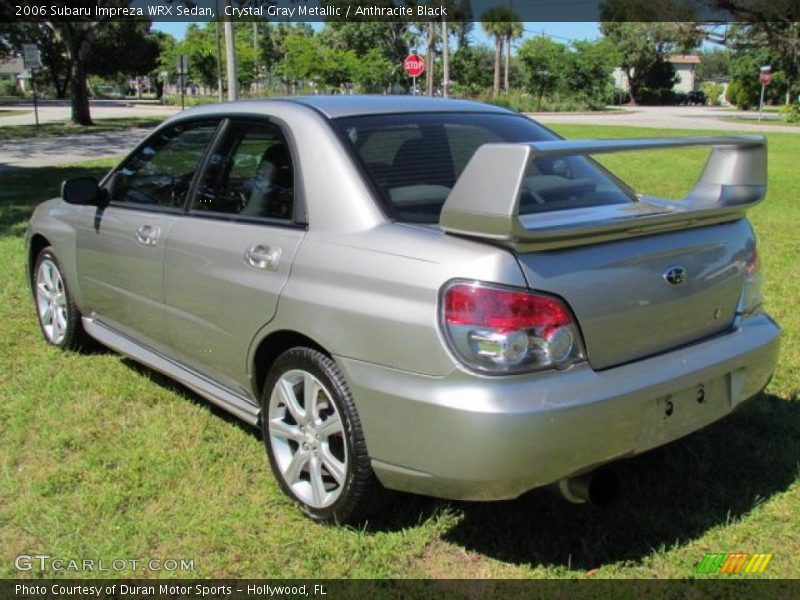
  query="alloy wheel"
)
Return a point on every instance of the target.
[
  {"x": 306, "y": 433},
  {"x": 51, "y": 301}
]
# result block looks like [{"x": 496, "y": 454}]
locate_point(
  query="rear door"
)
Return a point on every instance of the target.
[
  {"x": 120, "y": 249},
  {"x": 229, "y": 258}
]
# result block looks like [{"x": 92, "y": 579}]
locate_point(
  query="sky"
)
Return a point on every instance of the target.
[{"x": 562, "y": 32}]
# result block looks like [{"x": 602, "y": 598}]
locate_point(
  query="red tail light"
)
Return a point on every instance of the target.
[
  {"x": 752, "y": 290},
  {"x": 502, "y": 330}
]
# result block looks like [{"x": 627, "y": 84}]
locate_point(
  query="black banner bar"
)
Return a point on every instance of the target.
[
  {"x": 734, "y": 587},
  {"x": 386, "y": 10}
]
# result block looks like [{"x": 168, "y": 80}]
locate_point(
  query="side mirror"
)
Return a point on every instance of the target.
[{"x": 81, "y": 190}]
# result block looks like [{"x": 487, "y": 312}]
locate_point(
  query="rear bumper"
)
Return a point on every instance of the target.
[{"x": 471, "y": 437}]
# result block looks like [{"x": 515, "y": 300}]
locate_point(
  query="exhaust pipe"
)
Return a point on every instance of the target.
[{"x": 598, "y": 487}]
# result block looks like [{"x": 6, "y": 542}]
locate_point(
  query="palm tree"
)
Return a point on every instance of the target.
[
  {"x": 492, "y": 23},
  {"x": 513, "y": 31}
]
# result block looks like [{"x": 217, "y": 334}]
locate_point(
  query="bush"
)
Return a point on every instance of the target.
[
  {"x": 791, "y": 113},
  {"x": 739, "y": 96},
  {"x": 524, "y": 102},
  {"x": 713, "y": 92},
  {"x": 9, "y": 88}
]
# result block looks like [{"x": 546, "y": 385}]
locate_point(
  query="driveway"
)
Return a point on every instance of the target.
[
  {"x": 671, "y": 117},
  {"x": 48, "y": 151},
  {"x": 59, "y": 110}
]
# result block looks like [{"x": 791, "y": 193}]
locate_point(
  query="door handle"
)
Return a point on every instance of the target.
[
  {"x": 262, "y": 257},
  {"x": 148, "y": 235}
]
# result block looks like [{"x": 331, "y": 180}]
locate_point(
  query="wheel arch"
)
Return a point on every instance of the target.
[
  {"x": 271, "y": 347},
  {"x": 37, "y": 244}
]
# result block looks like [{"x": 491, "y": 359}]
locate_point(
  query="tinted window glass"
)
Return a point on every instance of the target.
[
  {"x": 249, "y": 173},
  {"x": 415, "y": 159},
  {"x": 160, "y": 172}
]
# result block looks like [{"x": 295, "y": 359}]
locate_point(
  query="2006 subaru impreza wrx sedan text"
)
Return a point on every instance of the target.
[{"x": 426, "y": 295}]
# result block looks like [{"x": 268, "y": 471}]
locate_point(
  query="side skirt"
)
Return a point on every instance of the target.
[{"x": 234, "y": 403}]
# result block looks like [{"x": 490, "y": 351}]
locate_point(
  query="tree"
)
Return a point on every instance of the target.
[
  {"x": 55, "y": 64},
  {"x": 767, "y": 24},
  {"x": 587, "y": 72},
  {"x": 471, "y": 69},
  {"x": 714, "y": 65},
  {"x": 391, "y": 39},
  {"x": 200, "y": 46},
  {"x": 77, "y": 37},
  {"x": 372, "y": 72},
  {"x": 513, "y": 31},
  {"x": 300, "y": 60},
  {"x": 643, "y": 49},
  {"x": 275, "y": 51},
  {"x": 140, "y": 55},
  {"x": 496, "y": 23},
  {"x": 543, "y": 61}
]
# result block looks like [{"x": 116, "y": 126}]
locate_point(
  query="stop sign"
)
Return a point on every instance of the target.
[
  {"x": 765, "y": 77},
  {"x": 414, "y": 65}
]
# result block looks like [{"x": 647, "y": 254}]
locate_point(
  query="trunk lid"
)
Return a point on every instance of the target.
[{"x": 620, "y": 295}]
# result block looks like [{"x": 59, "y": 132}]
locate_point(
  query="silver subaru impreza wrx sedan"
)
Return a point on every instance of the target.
[{"x": 426, "y": 295}]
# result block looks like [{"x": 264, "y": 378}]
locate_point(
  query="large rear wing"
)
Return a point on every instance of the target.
[{"x": 485, "y": 201}]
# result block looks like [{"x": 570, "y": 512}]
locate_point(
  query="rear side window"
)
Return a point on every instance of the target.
[
  {"x": 249, "y": 174},
  {"x": 160, "y": 172},
  {"x": 415, "y": 159}
]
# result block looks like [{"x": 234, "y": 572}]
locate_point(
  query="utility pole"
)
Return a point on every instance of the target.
[
  {"x": 445, "y": 59},
  {"x": 431, "y": 57},
  {"x": 230, "y": 61},
  {"x": 255, "y": 53},
  {"x": 219, "y": 60}
]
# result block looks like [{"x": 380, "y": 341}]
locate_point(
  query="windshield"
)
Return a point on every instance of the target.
[{"x": 415, "y": 159}]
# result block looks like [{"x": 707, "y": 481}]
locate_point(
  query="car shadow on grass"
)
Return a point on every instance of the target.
[
  {"x": 24, "y": 188},
  {"x": 669, "y": 496},
  {"x": 189, "y": 395}
]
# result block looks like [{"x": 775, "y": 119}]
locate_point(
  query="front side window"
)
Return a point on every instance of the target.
[
  {"x": 415, "y": 159},
  {"x": 160, "y": 172},
  {"x": 249, "y": 174}
]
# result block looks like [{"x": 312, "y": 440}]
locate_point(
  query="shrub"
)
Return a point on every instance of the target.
[
  {"x": 739, "y": 96},
  {"x": 713, "y": 92},
  {"x": 9, "y": 88},
  {"x": 791, "y": 113}
]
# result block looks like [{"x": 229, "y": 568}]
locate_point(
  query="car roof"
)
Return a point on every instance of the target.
[{"x": 334, "y": 107}]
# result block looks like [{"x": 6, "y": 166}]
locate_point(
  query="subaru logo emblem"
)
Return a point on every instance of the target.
[{"x": 675, "y": 275}]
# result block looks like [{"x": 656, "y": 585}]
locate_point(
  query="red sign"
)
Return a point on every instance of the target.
[
  {"x": 414, "y": 65},
  {"x": 765, "y": 77}
]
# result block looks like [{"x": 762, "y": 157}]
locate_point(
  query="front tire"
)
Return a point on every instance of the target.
[
  {"x": 314, "y": 440},
  {"x": 59, "y": 317}
]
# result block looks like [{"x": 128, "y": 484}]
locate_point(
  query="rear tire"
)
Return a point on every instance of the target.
[
  {"x": 314, "y": 439},
  {"x": 58, "y": 316}
]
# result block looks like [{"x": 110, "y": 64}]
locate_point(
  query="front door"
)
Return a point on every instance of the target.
[{"x": 120, "y": 249}]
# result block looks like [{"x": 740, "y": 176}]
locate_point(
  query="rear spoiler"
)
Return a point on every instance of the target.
[{"x": 485, "y": 200}]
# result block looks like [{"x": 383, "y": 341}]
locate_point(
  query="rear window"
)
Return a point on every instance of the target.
[{"x": 415, "y": 159}]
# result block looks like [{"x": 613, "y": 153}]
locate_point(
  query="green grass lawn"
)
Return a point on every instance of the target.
[
  {"x": 765, "y": 121},
  {"x": 102, "y": 458},
  {"x": 8, "y": 132}
]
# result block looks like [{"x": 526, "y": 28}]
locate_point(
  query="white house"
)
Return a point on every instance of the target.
[{"x": 685, "y": 66}]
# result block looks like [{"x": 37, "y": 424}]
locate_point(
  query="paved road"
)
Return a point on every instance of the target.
[
  {"x": 47, "y": 151},
  {"x": 670, "y": 117},
  {"x": 59, "y": 110}
]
